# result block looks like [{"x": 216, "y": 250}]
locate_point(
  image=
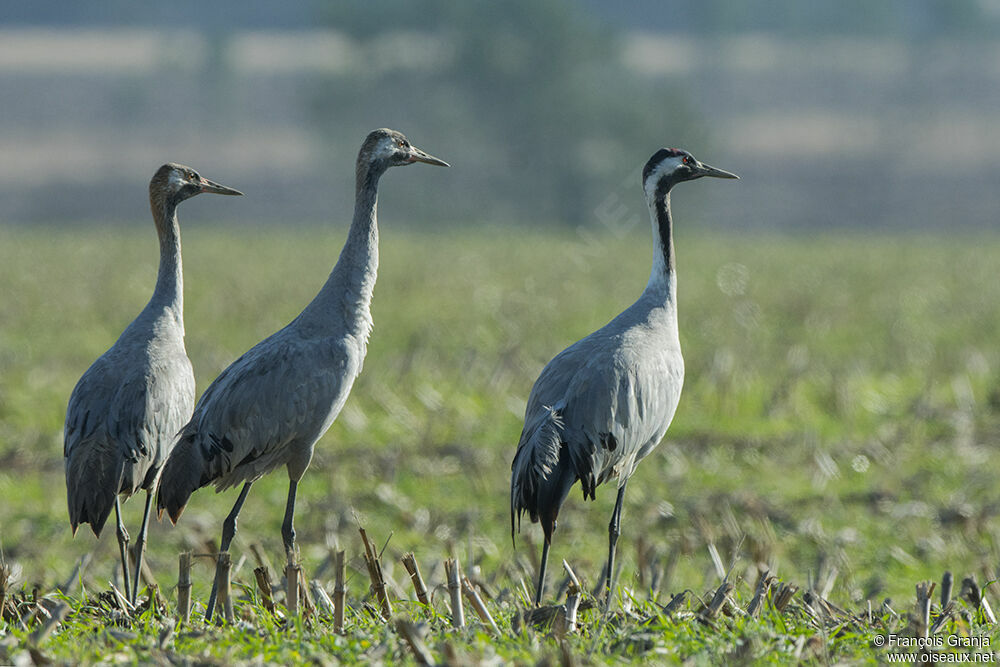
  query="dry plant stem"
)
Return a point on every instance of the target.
[
  {"x": 479, "y": 606},
  {"x": 339, "y": 593},
  {"x": 572, "y": 606},
  {"x": 763, "y": 586},
  {"x": 574, "y": 580},
  {"x": 184, "y": 587},
  {"x": 305, "y": 596},
  {"x": 720, "y": 569},
  {"x": 524, "y": 590},
  {"x": 260, "y": 556},
  {"x": 121, "y": 601},
  {"x": 947, "y": 583},
  {"x": 831, "y": 578},
  {"x": 375, "y": 574},
  {"x": 225, "y": 587},
  {"x": 988, "y": 611},
  {"x": 323, "y": 601},
  {"x": 675, "y": 603},
  {"x": 452, "y": 570},
  {"x": 924, "y": 591},
  {"x": 263, "y": 577},
  {"x": 573, "y": 597},
  {"x": 408, "y": 631},
  {"x": 292, "y": 586},
  {"x": 971, "y": 592},
  {"x": 6, "y": 576},
  {"x": 782, "y": 595},
  {"x": 154, "y": 601},
  {"x": 943, "y": 617},
  {"x": 718, "y": 601},
  {"x": 410, "y": 563}
]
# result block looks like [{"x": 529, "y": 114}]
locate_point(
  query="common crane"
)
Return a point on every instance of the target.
[
  {"x": 270, "y": 406},
  {"x": 125, "y": 412},
  {"x": 602, "y": 404}
]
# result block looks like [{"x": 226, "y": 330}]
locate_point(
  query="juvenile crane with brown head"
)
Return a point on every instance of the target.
[{"x": 125, "y": 412}]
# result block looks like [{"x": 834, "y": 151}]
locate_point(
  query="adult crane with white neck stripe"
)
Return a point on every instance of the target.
[{"x": 605, "y": 402}]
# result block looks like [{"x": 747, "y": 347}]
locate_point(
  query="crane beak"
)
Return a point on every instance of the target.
[
  {"x": 708, "y": 170},
  {"x": 417, "y": 155},
  {"x": 215, "y": 188}
]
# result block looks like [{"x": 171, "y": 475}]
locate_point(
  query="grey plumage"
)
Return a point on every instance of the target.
[
  {"x": 125, "y": 412},
  {"x": 602, "y": 404},
  {"x": 272, "y": 404}
]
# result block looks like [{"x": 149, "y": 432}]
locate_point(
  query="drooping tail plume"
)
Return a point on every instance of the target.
[{"x": 182, "y": 475}]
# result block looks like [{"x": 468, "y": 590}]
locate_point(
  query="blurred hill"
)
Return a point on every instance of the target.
[{"x": 836, "y": 114}]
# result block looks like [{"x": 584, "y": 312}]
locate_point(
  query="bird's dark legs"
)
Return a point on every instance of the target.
[
  {"x": 613, "y": 532},
  {"x": 541, "y": 572},
  {"x": 122, "y": 547},
  {"x": 140, "y": 547},
  {"x": 228, "y": 531},
  {"x": 287, "y": 528},
  {"x": 229, "y": 525}
]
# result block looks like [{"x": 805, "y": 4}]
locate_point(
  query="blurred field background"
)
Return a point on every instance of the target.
[{"x": 838, "y": 317}]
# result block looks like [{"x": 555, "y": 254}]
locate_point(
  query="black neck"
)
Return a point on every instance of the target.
[{"x": 664, "y": 225}]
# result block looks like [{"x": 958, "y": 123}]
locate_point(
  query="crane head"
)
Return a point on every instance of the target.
[
  {"x": 384, "y": 148},
  {"x": 175, "y": 183},
  {"x": 670, "y": 166}
]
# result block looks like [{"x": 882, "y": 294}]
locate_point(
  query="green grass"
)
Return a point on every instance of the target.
[{"x": 840, "y": 417}]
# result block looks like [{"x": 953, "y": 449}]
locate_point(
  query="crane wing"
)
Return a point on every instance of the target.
[
  {"x": 285, "y": 391},
  {"x": 123, "y": 416},
  {"x": 603, "y": 400},
  {"x": 86, "y": 414},
  {"x": 137, "y": 413}
]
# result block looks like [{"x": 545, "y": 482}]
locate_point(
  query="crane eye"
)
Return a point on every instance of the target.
[
  {"x": 687, "y": 160},
  {"x": 400, "y": 143}
]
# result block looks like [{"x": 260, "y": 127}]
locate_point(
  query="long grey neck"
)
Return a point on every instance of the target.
[
  {"x": 346, "y": 296},
  {"x": 662, "y": 278},
  {"x": 169, "y": 290}
]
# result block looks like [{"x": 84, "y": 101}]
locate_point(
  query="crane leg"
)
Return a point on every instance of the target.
[
  {"x": 122, "y": 547},
  {"x": 228, "y": 532},
  {"x": 614, "y": 530},
  {"x": 287, "y": 527},
  {"x": 541, "y": 573},
  {"x": 140, "y": 547}
]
